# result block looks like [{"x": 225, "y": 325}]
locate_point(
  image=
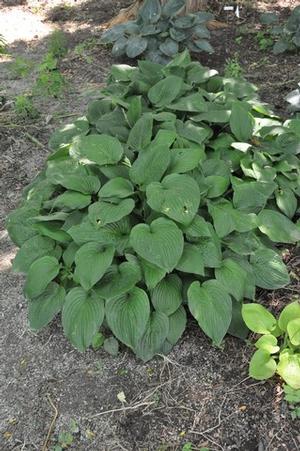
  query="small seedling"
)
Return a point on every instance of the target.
[
  {"x": 239, "y": 39},
  {"x": 20, "y": 67},
  {"x": 3, "y": 45},
  {"x": 233, "y": 68},
  {"x": 264, "y": 40},
  {"x": 58, "y": 44},
  {"x": 24, "y": 107}
]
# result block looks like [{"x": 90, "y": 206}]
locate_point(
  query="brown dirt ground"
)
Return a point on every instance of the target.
[{"x": 198, "y": 394}]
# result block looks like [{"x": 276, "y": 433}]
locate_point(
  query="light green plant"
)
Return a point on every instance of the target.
[
  {"x": 50, "y": 81},
  {"x": 21, "y": 67},
  {"x": 171, "y": 194},
  {"x": 58, "y": 44},
  {"x": 278, "y": 349},
  {"x": 3, "y": 45},
  {"x": 159, "y": 34},
  {"x": 292, "y": 397},
  {"x": 24, "y": 107},
  {"x": 265, "y": 41},
  {"x": 233, "y": 68}
]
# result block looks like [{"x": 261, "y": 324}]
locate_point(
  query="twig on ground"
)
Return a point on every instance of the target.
[{"x": 50, "y": 430}]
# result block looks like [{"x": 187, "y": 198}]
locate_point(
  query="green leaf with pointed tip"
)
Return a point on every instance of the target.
[
  {"x": 31, "y": 250},
  {"x": 116, "y": 187},
  {"x": 193, "y": 132},
  {"x": 177, "y": 196},
  {"x": 184, "y": 160},
  {"x": 268, "y": 343},
  {"x": 212, "y": 307},
  {"x": 290, "y": 312},
  {"x": 52, "y": 230},
  {"x": 40, "y": 274},
  {"x": 136, "y": 45},
  {"x": 193, "y": 103},
  {"x": 152, "y": 273},
  {"x": 241, "y": 121},
  {"x": 87, "y": 184},
  {"x": 18, "y": 225},
  {"x": 46, "y": 306},
  {"x": 172, "y": 7},
  {"x": 69, "y": 200},
  {"x": 258, "y": 318},
  {"x": 66, "y": 134},
  {"x": 150, "y": 11},
  {"x": 99, "y": 149},
  {"x": 227, "y": 219},
  {"x": 141, "y": 133},
  {"x": 160, "y": 243},
  {"x": 150, "y": 165},
  {"x": 191, "y": 260},
  {"x": 262, "y": 365},
  {"x": 82, "y": 316},
  {"x": 166, "y": 297},
  {"x": 92, "y": 260},
  {"x": 102, "y": 212},
  {"x": 156, "y": 332},
  {"x": 134, "y": 111},
  {"x": 269, "y": 270},
  {"x": 128, "y": 315},
  {"x": 69, "y": 254},
  {"x": 119, "y": 280},
  {"x": 286, "y": 201},
  {"x": 289, "y": 369},
  {"x": 165, "y": 91},
  {"x": 251, "y": 195},
  {"x": 169, "y": 47},
  {"x": 233, "y": 278},
  {"x": 278, "y": 227},
  {"x": 177, "y": 323}
]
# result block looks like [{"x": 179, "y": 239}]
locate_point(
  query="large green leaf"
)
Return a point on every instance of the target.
[
  {"x": 152, "y": 273},
  {"x": 166, "y": 297},
  {"x": 241, "y": 121},
  {"x": 165, "y": 91},
  {"x": 171, "y": 7},
  {"x": 40, "y": 274},
  {"x": 135, "y": 46},
  {"x": 150, "y": 165},
  {"x": 32, "y": 249},
  {"x": 258, "y": 318},
  {"x": 104, "y": 212},
  {"x": 18, "y": 224},
  {"x": 141, "y": 133},
  {"x": 150, "y": 11},
  {"x": 251, "y": 196},
  {"x": 99, "y": 149},
  {"x": 116, "y": 187},
  {"x": 82, "y": 316},
  {"x": 177, "y": 323},
  {"x": 128, "y": 315},
  {"x": 192, "y": 260},
  {"x": 289, "y": 369},
  {"x": 184, "y": 160},
  {"x": 156, "y": 332},
  {"x": 286, "y": 201},
  {"x": 269, "y": 270},
  {"x": 87, "y": 184},
  {"x": 233, "y": 277},
  {"x": 293, "y": 329},
  {"x": 193, "y": 103},
  {"x": 160, "y": 243},
  {"x": 69, "y": 200},
  {"x": 52, "y": 230},
  {"x": 177, "y": 196},
  {"x": 119, "y": 280},
  {"x": 262, "y": 365},
  {"x": 227, "y": 219},
  {"x": 278, "y": 227},
  {"x": 92, "y": 261},
  {"x": 66, "y": 134},
  {"x": 46, "y": 306},
  {"x": 212, "y": 307}
]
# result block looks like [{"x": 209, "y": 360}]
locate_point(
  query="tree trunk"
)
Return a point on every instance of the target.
[{"x": 191, "y": 6}]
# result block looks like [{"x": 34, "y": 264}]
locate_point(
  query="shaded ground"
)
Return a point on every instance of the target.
[{"x": 198, "y": 394}]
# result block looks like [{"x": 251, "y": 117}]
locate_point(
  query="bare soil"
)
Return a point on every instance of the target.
[{"x": 198, "y": 394}]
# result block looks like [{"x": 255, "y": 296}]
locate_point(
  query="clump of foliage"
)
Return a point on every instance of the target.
[
  {"x": 58, "y": 45},
  {"x": 170, "y": 195},
  {"x": 24, "y": 107},
  {"x": 293, "y": 98},
  {"x": 278, "y": 349},
  {"x": 21, "y": 67},
  {"x": 50, "y": 81},
  {"x": 159, "y": 34},
  {"x": 233, "y": 67},
  {"x": 264, "y": 40},
  {"x": 287, "y": 36}
]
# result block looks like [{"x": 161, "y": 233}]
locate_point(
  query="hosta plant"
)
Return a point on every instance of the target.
[
  {"x": 158, "y": 34},
  {"x": 278, "y": 348},
  {"x": 287, "y": 36},
  {"x": 169, "y": 196}
]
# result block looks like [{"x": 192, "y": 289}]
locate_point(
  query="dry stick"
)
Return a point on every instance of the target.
[
  {"x": 34, "y": 140},
  {"x": 51, "y": 424}
]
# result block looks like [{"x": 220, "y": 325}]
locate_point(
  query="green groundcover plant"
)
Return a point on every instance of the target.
[
  {"x": 278, "y": 349},
  {"x": 287, "y": 36},
  {"x": 169, "y": 196},
  {"x": 159, "y": 34}
]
